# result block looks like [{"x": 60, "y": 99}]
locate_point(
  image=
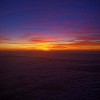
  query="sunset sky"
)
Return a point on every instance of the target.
[{"x": 50, "y": 25}]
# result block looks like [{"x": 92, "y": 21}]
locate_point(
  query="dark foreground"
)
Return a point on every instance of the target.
[{"x": 49, "y": 75}]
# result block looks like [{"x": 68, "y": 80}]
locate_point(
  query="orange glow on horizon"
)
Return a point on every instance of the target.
[
  {"x": 50, "y": 47},
  {"x": 51, "y": 43}
]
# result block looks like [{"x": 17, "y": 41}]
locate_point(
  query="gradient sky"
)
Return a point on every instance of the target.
[{"x": 50, "y": 24}]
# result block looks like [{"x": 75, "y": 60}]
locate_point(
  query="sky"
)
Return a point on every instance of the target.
[{"x": 49, "y": 25}]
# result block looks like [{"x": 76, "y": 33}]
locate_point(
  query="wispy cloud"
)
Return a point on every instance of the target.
[{"x": 4, "y": 39}]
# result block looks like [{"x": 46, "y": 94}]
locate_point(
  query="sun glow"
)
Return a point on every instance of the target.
[{"x": 44, "y": 47}]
